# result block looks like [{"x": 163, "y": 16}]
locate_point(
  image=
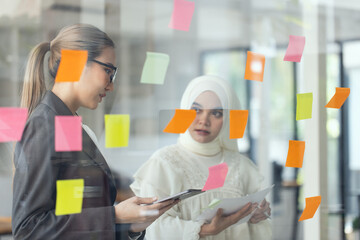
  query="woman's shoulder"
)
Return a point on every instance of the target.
[
  {"x": 168, "y": 154},
  {"x": 164, "y": 159},
  {"x": 42, "y": 113}
]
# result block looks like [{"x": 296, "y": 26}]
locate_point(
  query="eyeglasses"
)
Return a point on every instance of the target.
[{"x": 114, "y": 69}]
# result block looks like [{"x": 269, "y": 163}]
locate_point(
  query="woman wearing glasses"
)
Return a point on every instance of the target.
[{"x": 38, "y": 166}]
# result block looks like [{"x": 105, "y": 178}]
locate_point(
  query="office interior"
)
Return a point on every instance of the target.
[{"x": 220, "y": 35}]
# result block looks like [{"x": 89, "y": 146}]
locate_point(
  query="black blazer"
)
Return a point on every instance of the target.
[{"x": 38, "y": 167}]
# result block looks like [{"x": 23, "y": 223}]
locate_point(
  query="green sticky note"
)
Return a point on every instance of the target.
[
  {"x": 155, "y": 68},
  {"x": 304, "y": 106},
  {"x": 69, "y": 196},
  {"x": 117, "y": 128},
  {"x": 214, "y": 203}
]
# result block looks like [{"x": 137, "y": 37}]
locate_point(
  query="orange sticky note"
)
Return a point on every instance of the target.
[
  {"x": 311, "y": 206},
  {"x": 71, "y": 65},
  {"x": 238, "y": 121},
  {"x": 295, "y": 154},
  {"x": 217, "y": 176},
  {"x": 181, "y": 121},
  {"x": 255, "y": 64},
  {"x": 341, "y": 94}
]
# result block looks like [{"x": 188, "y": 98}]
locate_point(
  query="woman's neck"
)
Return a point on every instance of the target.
[
  {"x": 65, "y": 92},
  {"x": 205, "y": 149}
]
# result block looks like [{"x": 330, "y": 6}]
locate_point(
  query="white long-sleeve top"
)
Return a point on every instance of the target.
[{"x": 174, "y": 169}]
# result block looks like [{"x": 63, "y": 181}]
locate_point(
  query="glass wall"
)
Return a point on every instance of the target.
[{"x": 217, "y": 42}]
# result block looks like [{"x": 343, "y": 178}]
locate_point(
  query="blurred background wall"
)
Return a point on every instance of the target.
[{"x": 221, "y": 33}]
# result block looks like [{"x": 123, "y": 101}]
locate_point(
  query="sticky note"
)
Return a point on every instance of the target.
[
  {"x": 68, "y": 133},
  {"x": 295, "y": 48},
  {"x": 214, "y": 203},
  {"x": 311, "y": 206},
  {"x": 12, "y": 123},
  {"x": 238, "y": 121},
  {"x": 304, "y": 106},
  {"x": 341, "y": 94},
  {"x": 71, "y": 65},
  {"x": 182, "y": 15},
  {"x": 217, "y": 176},
  {"x": 255, "y": 64},
  {"x": 69, "y": 196},
  {"x": 295, "y": 154},
  {"x": 117, "y": 129},
  {"x": 181, "y": 121},
  {"x": 155, "y": 67}
]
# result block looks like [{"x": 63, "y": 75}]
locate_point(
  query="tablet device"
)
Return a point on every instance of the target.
[{"x": 182, "y": 195}]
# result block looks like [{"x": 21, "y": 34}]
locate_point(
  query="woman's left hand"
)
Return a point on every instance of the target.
[{"x": 263, "y": 212}]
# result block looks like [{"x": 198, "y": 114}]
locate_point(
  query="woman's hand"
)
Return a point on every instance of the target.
[
  {"x": 220, "y": 222},
  {"x": 134, "y": 210},
  {"x": 261, "y": 213}
]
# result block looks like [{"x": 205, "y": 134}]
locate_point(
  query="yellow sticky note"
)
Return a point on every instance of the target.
[
  {"x": 69, "y": 196},
  {"x": 304, "y": 106},
  {"x": 117, "y": 128}
]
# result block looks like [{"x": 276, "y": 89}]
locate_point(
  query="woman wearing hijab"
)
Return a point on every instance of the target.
[{"x": 183, "y": 166}]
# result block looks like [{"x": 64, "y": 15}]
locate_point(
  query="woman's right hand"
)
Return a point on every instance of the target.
[
  {"x": 220, "y": 222},
  {"x": 135, "y": 210}
]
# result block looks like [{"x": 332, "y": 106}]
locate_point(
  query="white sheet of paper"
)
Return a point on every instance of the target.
[{"x": 232, "y": 205}]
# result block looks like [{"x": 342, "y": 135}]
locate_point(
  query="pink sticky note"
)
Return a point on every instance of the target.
[
  {"x": 68, "y": 133},
  {"x": 182, "y": 15},
  {"x": 12, "y": 123},
  {"x": 216, "y": 178},
  {"x": 295, "y": 48}
]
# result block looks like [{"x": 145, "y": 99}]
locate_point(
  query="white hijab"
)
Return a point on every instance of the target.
[{"x": 228, "y": 101}]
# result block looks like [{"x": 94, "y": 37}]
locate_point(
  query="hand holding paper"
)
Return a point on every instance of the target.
[
  {"x": 222, "y": 221},
  {"x": 232, "y": 205},
  {"x": 262, "y": 212}
]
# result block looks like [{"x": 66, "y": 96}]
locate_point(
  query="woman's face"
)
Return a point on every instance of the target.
[
  {"x": 209, "y": 117},
  {"x": 95, "y": 80}
]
